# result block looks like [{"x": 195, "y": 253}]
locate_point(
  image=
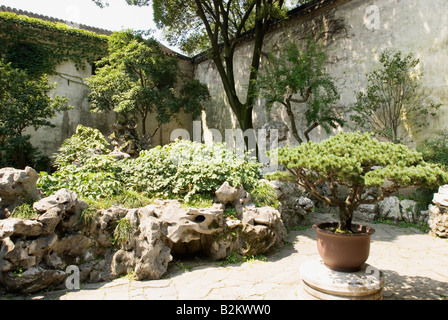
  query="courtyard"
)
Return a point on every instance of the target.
[{"x": 415, "y": 266}]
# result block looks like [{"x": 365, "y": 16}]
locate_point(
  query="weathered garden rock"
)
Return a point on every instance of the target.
[
  {"x": 185, "y": 225},
  {"x": 294, "y": 203},
  {"x": 148, "y": 255},
  {"x": 366, "y": 212},
  {"x": 438, "y": 213},
  {"x": 20, "y": 227},
  {"x": 280, "y": 126},
  {"x": 409, "y": 211},
  {"x": 34, "y": 253},
  {"x": 227, "y": 193},
  {"x": 16, "y": 187},
  {"x": 389, "y": 208},
  {"x": 260, "y": 231},
  {"x": 32, "y": 280}
]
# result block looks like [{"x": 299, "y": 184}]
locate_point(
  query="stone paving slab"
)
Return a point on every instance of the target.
[{"x": 414, "y": 264}]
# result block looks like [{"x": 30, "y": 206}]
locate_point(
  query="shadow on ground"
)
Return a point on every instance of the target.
[{"x": 402, "y": 287}]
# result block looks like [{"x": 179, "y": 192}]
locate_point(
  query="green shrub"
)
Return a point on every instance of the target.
[
  {"x": 99, "y": 177},
  {"x": 264, "y": 195},
  {"x": 81, "y": 146},
  {"x": 184, "y": 168},
  {"x": 435, "y": 150}
]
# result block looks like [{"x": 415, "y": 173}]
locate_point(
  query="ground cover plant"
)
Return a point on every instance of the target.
[
  {"x": 184, "y": 169},
  {"x": 357, "y": 161}
]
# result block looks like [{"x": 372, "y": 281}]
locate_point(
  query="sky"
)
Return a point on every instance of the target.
[{"x": 119, "y": 15}]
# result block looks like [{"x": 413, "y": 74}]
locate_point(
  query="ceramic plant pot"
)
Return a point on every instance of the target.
[{"x": 343, "y": 252}]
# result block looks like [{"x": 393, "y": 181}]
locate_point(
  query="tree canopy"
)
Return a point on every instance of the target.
[
  {"x": 24, "y": 102},
  {"x": 392, "y": 105},
  {"x": 136, "y": 78},
  {"x": 297, "y": 79}
]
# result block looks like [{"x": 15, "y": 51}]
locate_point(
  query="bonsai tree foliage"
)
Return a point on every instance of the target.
[
  {"x": 393, "y": 100},
  {"x": 136, "y": 78},
  {"x": 357, "y": 161},
  {"x": 25, "y": 102},
  {"x": 297, "y": 79}
]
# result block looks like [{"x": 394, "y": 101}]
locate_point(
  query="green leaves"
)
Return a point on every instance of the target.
[
  {"x": 297, "y": 79},
  {"x": 393, "y": 104},
  {"x": 186, "y": 168},
  {"x": 181, "y": 169},
  {"x": 354, "y": 159},
  {"x": 31, "y": 49},
  {"x": 136, "y": 78},
  {"x": 81, "y": 146}
]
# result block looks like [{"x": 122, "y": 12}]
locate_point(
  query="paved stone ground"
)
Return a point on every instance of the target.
[{"x": 415, "y": 266}]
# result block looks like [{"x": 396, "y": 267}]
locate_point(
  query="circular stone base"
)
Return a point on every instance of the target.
[{"x": 322, "y": 283}]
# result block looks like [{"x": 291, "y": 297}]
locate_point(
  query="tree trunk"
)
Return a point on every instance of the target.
[
  {"x": 246, "y": 124},
  {"x": 345, "y": 218}
]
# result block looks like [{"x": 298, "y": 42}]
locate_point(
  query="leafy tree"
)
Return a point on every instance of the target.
[
  {"x": 357, "y": 161},
  {"x": 393, "y": 99},
  {"x": 136, "y": 78},
  {"x": 195, "y": 25},
  {"x": 300, "y": 72},
  {"x": 24, "y": 103}
]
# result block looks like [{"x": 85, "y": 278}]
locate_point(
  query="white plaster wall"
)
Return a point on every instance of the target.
[
  {"x": 412, "y": 26},
  {"x": 71, "y": 84}
]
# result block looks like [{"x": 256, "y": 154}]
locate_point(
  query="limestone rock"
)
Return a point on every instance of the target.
[
  {"x": 438, "y": 222},
  {"x": 409, "y": 210},
  {"x": 260, "y": 231},
  {"x": 226, "y": 193},
  {"x": 20, "y": 227},
  {"x": 438, "y": 213},
  {"x": 389, "y": 208},
  {"x": 32, "y": 280},
  {"x": 294, "y": 203},
  {"x": 148, "y": 255},
  {"x": 16, "y": 187},
  {"x": 366, "y": 212}
]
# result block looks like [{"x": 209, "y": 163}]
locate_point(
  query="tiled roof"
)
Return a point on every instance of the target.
[{"x": 51, "y": 19}]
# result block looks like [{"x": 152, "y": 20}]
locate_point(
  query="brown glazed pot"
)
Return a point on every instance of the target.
[{"x": 343, "y": 252}]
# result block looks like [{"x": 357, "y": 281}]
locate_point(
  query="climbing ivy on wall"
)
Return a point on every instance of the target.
[{"x": 38, "y": 46}]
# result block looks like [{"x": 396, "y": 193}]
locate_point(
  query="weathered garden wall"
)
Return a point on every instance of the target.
[
  {"x": 412, "y": 26},
  {"x": 70, "y": 84}
]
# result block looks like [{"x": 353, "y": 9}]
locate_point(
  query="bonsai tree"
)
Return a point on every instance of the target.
[
  {"x": 297, "y": 80},
  {"x": 357, "y": 161}
]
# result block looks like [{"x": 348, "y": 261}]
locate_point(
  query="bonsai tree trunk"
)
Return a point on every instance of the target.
[{"x": 345, "y": 218}]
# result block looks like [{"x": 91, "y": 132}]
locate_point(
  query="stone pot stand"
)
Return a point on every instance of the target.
[{"x": 341, "y": 273}]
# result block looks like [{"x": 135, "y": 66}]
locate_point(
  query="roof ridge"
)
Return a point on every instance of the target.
[{"x": 97, "y": 30}]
